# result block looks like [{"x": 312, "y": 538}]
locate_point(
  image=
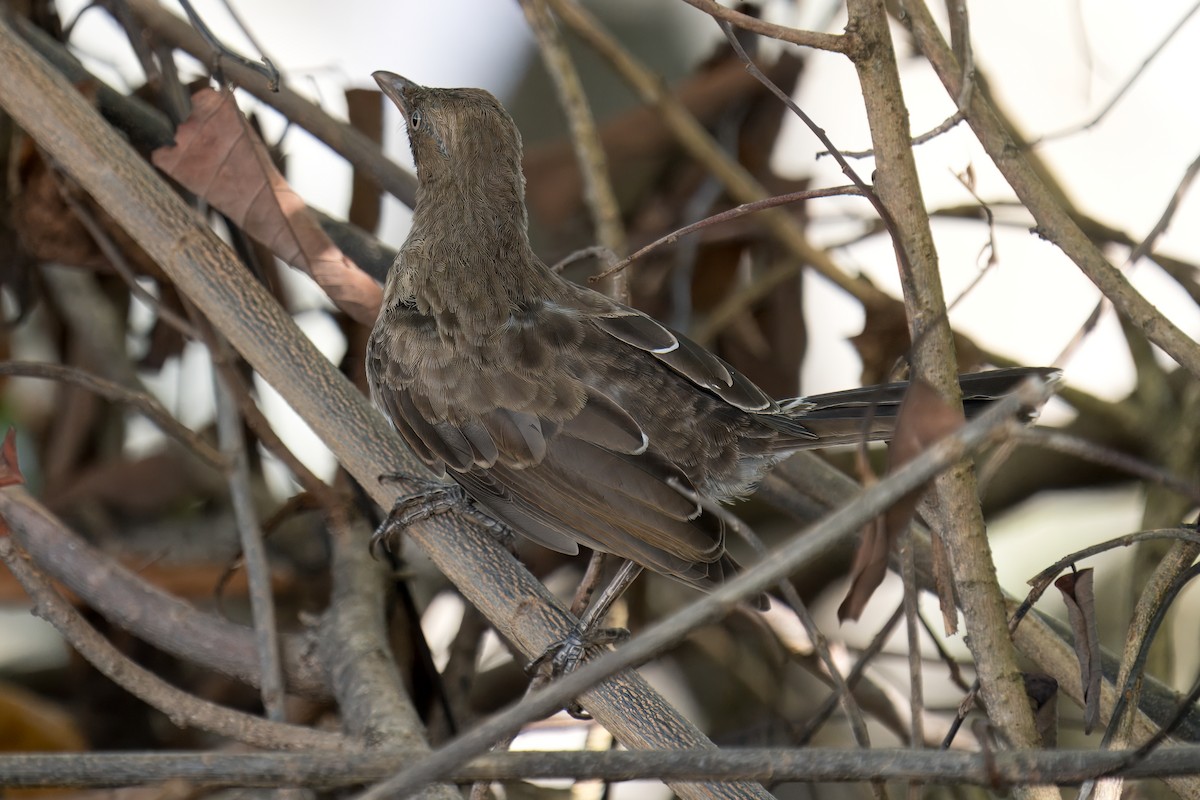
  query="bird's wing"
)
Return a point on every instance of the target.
[
  {"x": 682, "y": 355},
  {"x": 693, "y": 362},
  {"x": 560, "y": 461},
  {"x": 613, "y": 502}
]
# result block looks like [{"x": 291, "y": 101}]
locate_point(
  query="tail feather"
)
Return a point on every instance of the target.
[{"x": 870, "y": 412}]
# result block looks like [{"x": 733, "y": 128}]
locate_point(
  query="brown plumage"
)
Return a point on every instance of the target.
[{"x": 564, "y": 414}]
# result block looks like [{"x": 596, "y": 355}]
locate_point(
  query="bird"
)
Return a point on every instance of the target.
[{"x": 561, "y": 413}]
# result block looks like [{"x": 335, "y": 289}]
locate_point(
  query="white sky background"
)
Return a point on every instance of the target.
[{"x": 1052, "y": 64}]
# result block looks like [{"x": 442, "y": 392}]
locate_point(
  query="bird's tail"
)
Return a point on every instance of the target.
[{"x": 870, "y": 412}]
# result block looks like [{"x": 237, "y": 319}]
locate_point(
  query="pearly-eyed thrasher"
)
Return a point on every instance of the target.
[{"x": 563, "y": 414}]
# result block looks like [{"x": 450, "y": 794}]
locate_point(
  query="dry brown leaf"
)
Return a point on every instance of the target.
[
  {"x": 924, "y": 418},
  {"x": 1080, "y": 598},
  {"x": 218, "y": 157},
  {"x": 10, "y": 470},
  {"x": 884, "y": 342},
  {"x": 868, "y": 570},
  {"x": 48, "y": 227},
  {"x": 1042, "y": 691},
  {"x": 364, "y": 108}
]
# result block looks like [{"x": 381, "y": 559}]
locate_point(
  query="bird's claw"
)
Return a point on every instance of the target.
[
  {"x": 568, "y": 653},
  {"x": 431, "y": 498}
]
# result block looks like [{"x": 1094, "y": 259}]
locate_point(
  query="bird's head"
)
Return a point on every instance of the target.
[{"x": 455, "y": 132}]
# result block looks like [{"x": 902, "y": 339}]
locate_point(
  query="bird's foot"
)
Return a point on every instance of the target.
[
  {"x": 431, "y": 498},
  {"x": 568, "y": 653}
]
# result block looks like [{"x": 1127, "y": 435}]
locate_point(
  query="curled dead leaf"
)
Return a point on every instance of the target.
[
  {"x": 924, "y": 418},
  {"x": 1079, "y": 595},
  {"x": 217, "y": 156},
  {"x": 10, "y": 470}
]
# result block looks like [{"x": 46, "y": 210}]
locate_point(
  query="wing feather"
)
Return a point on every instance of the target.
[
  {"x": 603, "y": 422},
  {"x": 682, "y": 355},
  {"x": 563, "y": 462}
]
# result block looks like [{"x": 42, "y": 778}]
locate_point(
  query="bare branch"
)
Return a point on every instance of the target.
[
  {"x": 184, "y": 709},
  {"x": 819, "y": 41},
  {"x": 323, "y": 770},
  {"x": 142, "y": 401}
]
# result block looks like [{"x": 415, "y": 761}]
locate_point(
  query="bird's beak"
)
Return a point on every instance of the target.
[{"x": 397, "y": 88}]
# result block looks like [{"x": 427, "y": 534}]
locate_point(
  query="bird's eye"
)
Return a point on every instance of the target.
[{"x": 414, "y": 121}]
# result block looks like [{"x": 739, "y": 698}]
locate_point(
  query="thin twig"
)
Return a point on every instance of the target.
[
  {"x": 916, "y": 688},
  {"x": 1140, "y": 250},
  {"x": 865, "y": 189},
  {"x": 1164, "y": 219},
  {"x": 821, "y": 715},
  {"x": 222, "y": 52},
  {"x": 726, "y": 216},
  {"x": 246, "y": 31},
  {"x": 252, "y": 415},
  {"x": 254, "y": 554},
  {"x": 1125, "y": 87},
  {"x": 947, "y": 124},
  {"x": 948, "y": 660},
  {"x": 142, "y": 401},
  {"x": 967, "y": 182},
  {"x": 832, "y": 42},
  {"x": 598, "y": 252},
  {"x": 1090, "y": 451},
  {"x": 1045, "y": 578}
]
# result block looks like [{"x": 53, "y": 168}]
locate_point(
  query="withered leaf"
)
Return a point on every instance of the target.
[
  {"x": 1079, "y": 596},
  {"x": 364, "y": 109},
  {"x": 10, "y": 470},
  {"x": 1042, "y": 691},
  {"x": 885, "y": 340},
  {"x": 923, "y": 419},
  {"x": 868, "y": 570},
  {"x": 218, "y": 157},
  {"x": 47, "y": 225}
]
